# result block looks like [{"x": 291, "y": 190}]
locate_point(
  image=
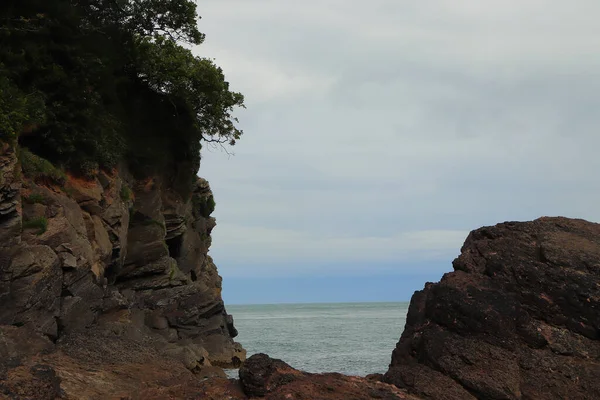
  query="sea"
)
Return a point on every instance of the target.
[{"x": 350, "y": 338}]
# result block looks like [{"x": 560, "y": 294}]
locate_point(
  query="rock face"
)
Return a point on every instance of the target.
[
  {"x": 107, "y": 291},
  {"x": 112, "y": 257},
  {"x": 271, "y": 379},
  {"x": 519, "y": 318}
]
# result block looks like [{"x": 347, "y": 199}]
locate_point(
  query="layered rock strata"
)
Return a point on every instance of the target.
[{"x": 114, "y": 258}]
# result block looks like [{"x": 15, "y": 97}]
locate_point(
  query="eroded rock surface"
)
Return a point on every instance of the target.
[
  {"x": 519, "y": 318},
  {"x": 119, "y": 261}
]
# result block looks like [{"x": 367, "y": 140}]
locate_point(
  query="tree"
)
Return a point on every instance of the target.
[{"x": 103, "y": 69}]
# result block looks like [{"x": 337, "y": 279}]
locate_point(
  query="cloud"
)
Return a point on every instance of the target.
[
  {"x": 310, "y": 251},
  {"x": 387, "y": 128}
]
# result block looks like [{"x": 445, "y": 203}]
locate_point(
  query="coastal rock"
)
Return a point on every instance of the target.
[
  {"x": 519, "y": 318},
  {"x": 100, "y": 262},
  {"x": 93, "y": 366},
  {"x": 272, "y": 379},
  {"x": 31, "y": 286}
]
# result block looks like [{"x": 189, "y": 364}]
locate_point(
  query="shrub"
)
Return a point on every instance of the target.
[
  {"x": 204, "y": 205},
  {"x": 35, "y": 198},
  {"x": 40, "y": 169},
  {"x": 41, "y": 223},
  {"x": 17, "y": 109},
  {"x": 125, "y": 193}
]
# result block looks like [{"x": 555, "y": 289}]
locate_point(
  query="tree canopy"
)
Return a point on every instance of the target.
[{"x": 86, "y": 83}]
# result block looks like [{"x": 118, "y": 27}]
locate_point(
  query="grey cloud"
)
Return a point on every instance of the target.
[{"x": 388, "y": 119}]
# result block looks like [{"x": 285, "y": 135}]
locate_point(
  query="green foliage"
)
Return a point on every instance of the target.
[
  {"x": 89, "y": 83},
  {"x": 35, "y": 198},
  {"x": 195, "y": 84},
  {"x": 17, "y": 109},
  {"x": 40, "y": 169},
  {"x": 39, "y": 223},
  {"x": 204, "y": 205},
  {"x": 125, "y": 193}
]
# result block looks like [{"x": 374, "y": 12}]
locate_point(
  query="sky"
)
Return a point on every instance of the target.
[{"x": 378, "y": 133}]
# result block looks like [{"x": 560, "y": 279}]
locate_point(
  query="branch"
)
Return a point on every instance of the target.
[
  {"x": 220, "y": 145},
  {"x": 219, "y": 140}
]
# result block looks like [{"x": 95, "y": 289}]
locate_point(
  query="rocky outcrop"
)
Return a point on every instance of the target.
[
  {"x": 519, "y": 318},
  {"x": 271, "y": 379},
  {"x": 107, "y": 291},
  {"x": 111, "y": 257},
  {"x": 92, "y": 365}
]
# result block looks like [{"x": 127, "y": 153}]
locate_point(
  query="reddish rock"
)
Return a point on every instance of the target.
[
  {"x": 264, "y": 377},
  {"x": 519, "y": 318}
]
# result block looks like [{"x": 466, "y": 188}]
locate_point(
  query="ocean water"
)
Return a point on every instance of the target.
[{"x": 350, "y": 338}]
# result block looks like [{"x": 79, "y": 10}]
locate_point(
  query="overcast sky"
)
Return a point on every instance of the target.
[{"x": 379, "y": 133}]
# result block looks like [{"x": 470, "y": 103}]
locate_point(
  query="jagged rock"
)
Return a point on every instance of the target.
[
  {"x": 10, "y": 198},
  {"x": 230, "y": 326},
  {"x": 85, "y": 190},
  {"x": 33, "y": 279},
  {"x": 519, "y": 318},
  {"x": 161, "y": 266},
  {"x": 208, "y": 276},
  {"x": 100, "y": 277},
  {"x": 66, "y": 225},
  {"x": 92, "y": 365},
  {"x": 98, "y": 234},
  {"x": 273, "y": 379},
  {"x": 145, "y": 244},
  {"x": 114, "y": 300},
  {"x": 191, "y": 355},
  {"x": 222, "y": 350},
  {"x": 82, "y": 300},
  {"x": 175, "y": 212},
  {"x": 68, "y": 260},
  {"x": 172, "y": 278}
]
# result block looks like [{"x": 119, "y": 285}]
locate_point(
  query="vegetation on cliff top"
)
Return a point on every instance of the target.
[{"x": 87, "y": 83}]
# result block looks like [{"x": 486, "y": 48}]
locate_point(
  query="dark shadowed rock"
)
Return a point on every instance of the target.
[
  {"x": 33, "y": 288},
  {"x": 519, "y": 318},
  {"x": 10, "y": 197}
]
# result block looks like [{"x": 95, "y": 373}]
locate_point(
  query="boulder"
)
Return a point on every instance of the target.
[
  {"x": 519, "y": 318},
  {"x": 272, "y": 379}
]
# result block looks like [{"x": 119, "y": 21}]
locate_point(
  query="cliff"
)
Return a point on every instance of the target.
[
  {"x": 107, "y": 291},
  {"x": 103, "y": 277},
  {"x": 519, "y": 318}
]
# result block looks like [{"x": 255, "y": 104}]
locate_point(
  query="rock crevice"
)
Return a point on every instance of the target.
[{"x": 112, "y": 256}]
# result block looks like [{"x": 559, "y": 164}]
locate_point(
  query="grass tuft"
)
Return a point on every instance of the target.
[
  {"x": 35, "y": 198},
  {"x": 40, "y": 223},
  {"x": 39, "y": 169},
  {"x": 126, "y": 193}
]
